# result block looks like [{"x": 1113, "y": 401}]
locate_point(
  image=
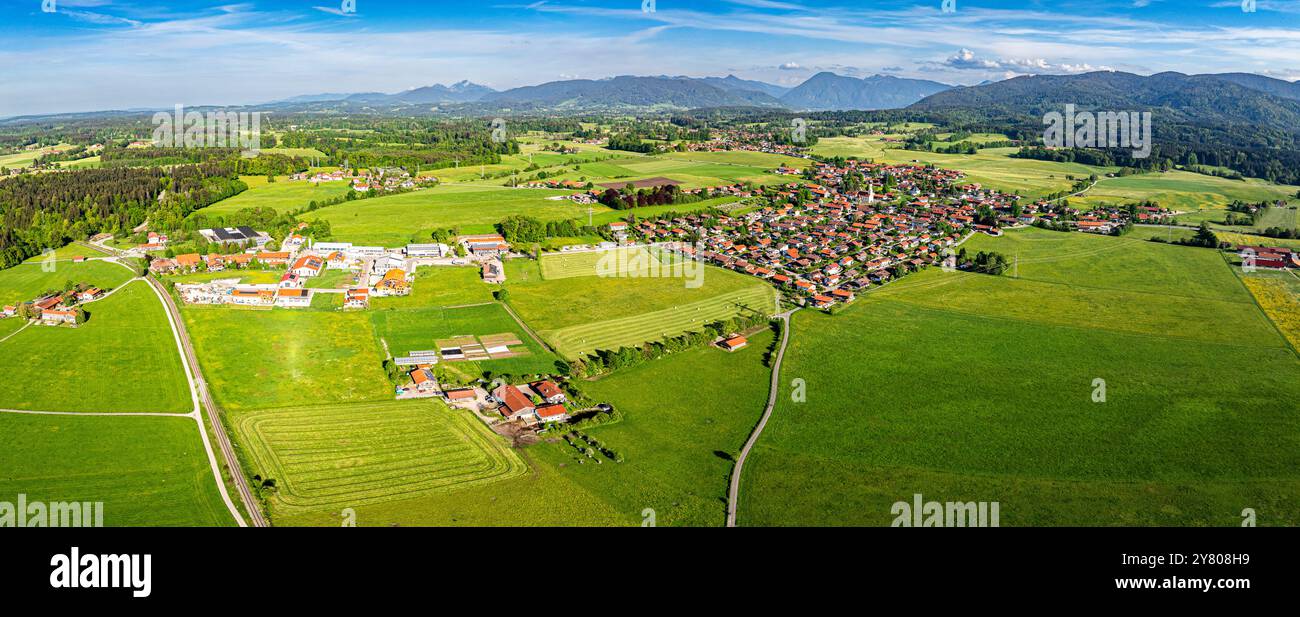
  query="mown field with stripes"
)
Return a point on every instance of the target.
[
  {"x": 335, "y": 457},
  {"x": 578, "y": 340}
]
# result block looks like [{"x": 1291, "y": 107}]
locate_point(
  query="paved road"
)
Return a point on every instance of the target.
[
  {"x": 733, "y": 495},
  {"x": 214, "y": 417}
]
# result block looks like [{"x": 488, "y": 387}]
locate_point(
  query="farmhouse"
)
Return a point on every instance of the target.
[
  {"x": 514, "y": 405},
  {"x": 89, "y": 295},
  {"x": 188, "y": 261},
  {"x": 552, "y": 413},
  {"x": 252, "y": 296},
  {"x": 54, "y": 317},
  {"x": 549, "y": 391},
  {"x": 424, "y": 381}
]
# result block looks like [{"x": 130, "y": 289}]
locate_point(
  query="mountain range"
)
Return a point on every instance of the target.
[
  {"x": 823, "y": 92},
  {"x": 1234, "y": 99}
]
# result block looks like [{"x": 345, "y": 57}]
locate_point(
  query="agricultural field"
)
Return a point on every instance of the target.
[
  {"x": 123, "y": 359},
  {"x": 744, "y": 158},
  {"x": 608, "y": 313},
  {"x": 399, "y": 219},
  {"x": 979, "y": 388},
  {"x": 649, "y": 211},
  {"x": 148, "y": 471},
  {"x": 25, "y": 281},
  {"x": 1240, "y": 239},
  {"x": 1202, "y": 197},
  {"x": 25, "y": 158},
  {"x": 262, "y": 359},
  {"x": 336, "y": 457},
  {"x": 1278, "y": 293},
  {"x": 409, "y": 330},
  {"x": 679, "y": 439},
  {"x": 617, "y": 261},
  {"x": 282, "y": 196}
]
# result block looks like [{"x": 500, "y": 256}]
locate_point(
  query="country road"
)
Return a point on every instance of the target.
[
  {"x": 214, "y": 417},
  {"x": 733, "y": 494}
]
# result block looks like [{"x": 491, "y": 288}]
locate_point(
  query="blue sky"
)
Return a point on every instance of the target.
[{"x": 118, "y": 54}]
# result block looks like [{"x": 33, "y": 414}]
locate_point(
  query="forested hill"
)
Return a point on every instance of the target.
[
  {"x": 1207, "y": 119},
  {"x": 49, "y": 210}
]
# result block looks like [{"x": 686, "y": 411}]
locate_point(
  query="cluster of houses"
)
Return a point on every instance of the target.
[
  {"x": 376, "y": 272},
  {"x": 55, "y": 309},
  {"x": 386, "y": 179},
  {"x": 535, "y": 403},
  {"x": 825, "y": 243},
  {"x": 748, "y": 141}
]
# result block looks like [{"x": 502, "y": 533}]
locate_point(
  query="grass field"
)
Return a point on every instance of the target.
[
  {"x": 607, "y": 313},
  {"x": 336, "y": 457},
  {"x": 281, "y": 196},
  {"x": 334, "y": 279},
  {"x": 966, "y": 387},
  {"x": 25, "y": 158},
  {"x": 123, "y": 359},
  {"x": 1202, "y": 197},
  {"x": 590, "y": 264},
  {"x": 649, "y": 211},
  {"x": 25, "y": 281},
  {"x": 679, "y": 439},
  {"x": 260, "y": 359},
  {"x": 397, "y": 220},
  {"x": 148, "y": 471}
]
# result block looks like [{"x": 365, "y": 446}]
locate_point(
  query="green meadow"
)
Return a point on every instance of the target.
[
  {"x": 123, "y": 359},
  {"x": 281, "y": 196},
  {"x": 439, "y": 286},
  {"x": 262, "y": 359},
  {"x": 1202, "y": 197},
  {"x": 147, "y": 471},
  {"x": 967, "y": 387},
  {"x": 22, "y": 283},
  {"x": 608, "y": 313},
  {"x": 399, "y": 219},
  {"x": 679, "y": 436}
]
